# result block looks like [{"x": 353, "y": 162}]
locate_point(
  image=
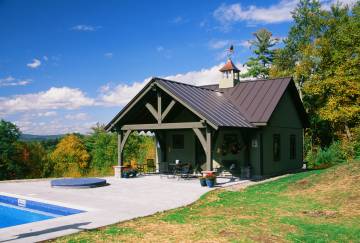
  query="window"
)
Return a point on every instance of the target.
[
  {"x": 276, "y": 147},
  {"x": 231, "y": 144},
  {"x": 178, "y": 141},
  {"x": 292, "y": 146}
]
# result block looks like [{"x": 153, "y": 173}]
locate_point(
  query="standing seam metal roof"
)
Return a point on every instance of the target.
[
  {"x": 257, "y": 99},
  {"x": 213, "y": 105},
  {"x": 250, "y": 101}
]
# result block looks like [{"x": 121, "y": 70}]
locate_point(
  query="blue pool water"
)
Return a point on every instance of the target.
[
  {"x": 16, "y": 211},
  {"x": 10, "y": 216}
]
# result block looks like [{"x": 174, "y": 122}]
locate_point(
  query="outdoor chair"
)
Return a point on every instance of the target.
[
  {"x": 140, "y": 168},
  {"x": 150, "y": 166},
  {"x": 185, "y": 171},
  {"x": 164, "y": 169}
]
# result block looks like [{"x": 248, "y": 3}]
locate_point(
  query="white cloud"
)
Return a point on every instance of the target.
[
  {"x": 105, "y": 88},
  {"x": 77, "y": 116},
  {"x": 121, "y": 94},
  {"x": 245, "y": 43},
  {"x": 202, "y": 77},
  {"x": 275, "y": 13},
  {"x": 85, "y": 28},
  {"x": 160, "y": 48},
  {"x": 203, "y": 23},
  {"x": 34, "y": 64},
  {"x": 164, "y": 51},
  {"x": 47, "y": 114},
  {"x": 219, "y": 44},
  {"x": 225, "y": 44},
  {"x": 222, "y": 46},
  {"x": 11, "y": 81},
  {"x": 43, "y": 104},
  {"x": 54, "y": 98},
  {"x": 53, "y": 127},
  {"x": 179, "y": 20},
  {"x": 108, "y": 55},
  {"x": 326, "y": 4}
]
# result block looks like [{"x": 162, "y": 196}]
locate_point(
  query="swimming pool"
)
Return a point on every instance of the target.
[{"x": 16, "y": 211}]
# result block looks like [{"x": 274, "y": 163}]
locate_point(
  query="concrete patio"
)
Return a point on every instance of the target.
[{"x": 123, "y": 199}]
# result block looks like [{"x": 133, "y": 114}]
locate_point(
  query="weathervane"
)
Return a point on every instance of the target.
[{"x": 230, "y": 51}]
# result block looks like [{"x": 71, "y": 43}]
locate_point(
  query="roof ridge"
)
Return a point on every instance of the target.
[
  {"x": 177, "y": 82},
  {"x": 263, "y": 79}
]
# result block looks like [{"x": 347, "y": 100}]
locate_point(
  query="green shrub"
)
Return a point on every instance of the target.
[
  {"x": 356, "y": 143},
  {"x": 326, "y": 157}
]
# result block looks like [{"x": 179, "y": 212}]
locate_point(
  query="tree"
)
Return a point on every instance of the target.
[
  {"x": 38, "y": 160},
  {"x": 133, "y": 149},
  {"x": 333, "y": 70},
  {"x": 259, "y": 66},
  {"x": 321, "y": 52},
  {"x": 308, "y": 25},
  {"x": 9, "y": 134},
  {"x": 70, "y": 157},
  {"x": 102, "y": 147}
]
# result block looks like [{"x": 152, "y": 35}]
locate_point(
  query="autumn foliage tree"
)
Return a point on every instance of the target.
[
  {"x": 70, "y": 158},
  {"x": 331, "y": 65},
  {"x": 324, "y": 47}
]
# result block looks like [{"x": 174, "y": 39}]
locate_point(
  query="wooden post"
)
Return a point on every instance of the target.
[
  {"x": 119, "y": 149},
  {"x": 209, "y": 163},
  {"x": 158, "y": 107},
  {"x": 121, "y": 143},
  {"x": 117, "y": 169}
]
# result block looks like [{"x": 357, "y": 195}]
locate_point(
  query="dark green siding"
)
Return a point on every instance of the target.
[{"x": 285, "y": 122}]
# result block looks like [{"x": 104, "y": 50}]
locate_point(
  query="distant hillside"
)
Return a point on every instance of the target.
[{"x": 31, "y": 137}]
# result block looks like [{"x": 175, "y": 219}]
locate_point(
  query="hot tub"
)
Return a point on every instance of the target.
[{"x": 78, "y": 182}]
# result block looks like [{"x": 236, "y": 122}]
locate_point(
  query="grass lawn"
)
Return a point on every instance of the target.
[{"x": 315, "y": 206}]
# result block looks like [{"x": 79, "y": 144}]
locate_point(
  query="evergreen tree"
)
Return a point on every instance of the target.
[
  {"x": 308, "y": 25},
  {"x": 259, "y": 65}
]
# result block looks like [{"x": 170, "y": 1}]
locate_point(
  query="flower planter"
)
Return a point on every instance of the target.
[
  {"x": 210, "y": 182},
  {"x": 203, "y": 182},
  {"x": 125, "y": 175}
]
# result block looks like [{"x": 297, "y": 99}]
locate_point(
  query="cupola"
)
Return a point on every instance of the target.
[{"x": 231, "y": 75}]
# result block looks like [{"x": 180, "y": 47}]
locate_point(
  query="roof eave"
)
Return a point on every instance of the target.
[
  {"x": 212, "y": 124},
  {"x": 118, "y": 116}
]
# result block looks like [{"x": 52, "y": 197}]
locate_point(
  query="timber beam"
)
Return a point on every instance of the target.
[
  {"x": 167, "y": 110},
  {"x": 152, "y": 110},
  {"x": 158, "y": 114},
  {"x": 205, "y": 140},
  {"x": 178, "y": 125}
]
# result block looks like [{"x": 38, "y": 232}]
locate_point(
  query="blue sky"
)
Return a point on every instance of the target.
[{"x": 65, "y": 65}]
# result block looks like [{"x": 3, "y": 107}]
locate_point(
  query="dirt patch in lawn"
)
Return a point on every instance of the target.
[{"x": 303, "y": 207}]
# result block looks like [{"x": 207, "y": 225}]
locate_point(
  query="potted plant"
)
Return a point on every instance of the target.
[
  {"x": 133, "y": 173},
  {"x": 129, "y": 172},
  {"x": 210, "y": 180},
  {"x": 125, "y": 174},
  {"x": 202, "y": 181}
]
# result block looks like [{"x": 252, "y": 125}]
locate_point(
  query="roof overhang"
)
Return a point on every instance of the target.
[{"x": 150, "y": 85}]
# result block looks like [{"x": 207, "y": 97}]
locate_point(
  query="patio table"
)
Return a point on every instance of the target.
[{"x": 173, "y": 168}]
